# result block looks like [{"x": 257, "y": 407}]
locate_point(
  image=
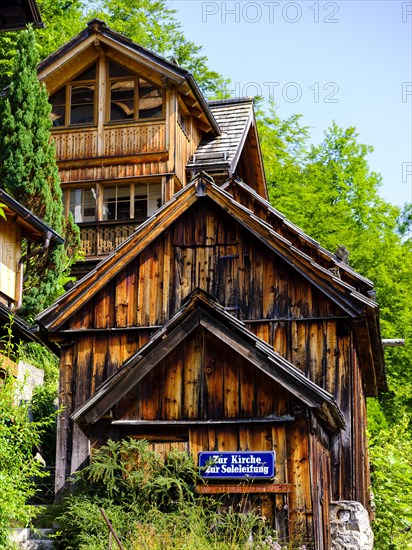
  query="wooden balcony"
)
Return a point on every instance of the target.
[
  {"x": 101, "y": 238},
  {"x": 87, "y": 143}
]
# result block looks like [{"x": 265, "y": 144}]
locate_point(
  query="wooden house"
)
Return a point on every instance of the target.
[
  {"x": 130, "y": 130},
  {"x": 18, "y": 225},
  {"x": 216, "y": 325}
]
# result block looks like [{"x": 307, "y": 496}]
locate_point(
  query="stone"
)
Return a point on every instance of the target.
[{"x": 350, "y": 526}]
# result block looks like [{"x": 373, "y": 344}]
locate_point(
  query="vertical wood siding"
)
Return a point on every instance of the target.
[{"x": 207, "y": 249}]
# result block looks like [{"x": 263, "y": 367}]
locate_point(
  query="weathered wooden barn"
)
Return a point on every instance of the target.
[{"x": 205, "y": 320}]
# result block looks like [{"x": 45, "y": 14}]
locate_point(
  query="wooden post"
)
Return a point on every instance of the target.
[{"x": 111, "y": 530}]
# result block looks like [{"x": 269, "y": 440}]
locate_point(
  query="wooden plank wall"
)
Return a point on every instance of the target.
[
  {"x": 320, "y": 486},
  {"x": 113, "y": 171},
  {"x": 203, "y": 378},
  {"x": 290, "y": 441},
  {"x": 206, "y": 249},
  {"x": 10, "y": 253},
  {"x": 182, "y": 153}
]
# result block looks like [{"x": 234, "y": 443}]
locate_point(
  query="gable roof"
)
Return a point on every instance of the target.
[
  {"x": 33, "y": 227},
  {"x": 200, "y": 309},
  {"x": 97, "y": 33},
  {"x": 340, "y": 292},
  {"x": 367, "y": 327},
  {"x": 241, "y": 190}
]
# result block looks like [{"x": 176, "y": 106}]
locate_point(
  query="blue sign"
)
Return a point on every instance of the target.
[{"x": 237, "y": 465}]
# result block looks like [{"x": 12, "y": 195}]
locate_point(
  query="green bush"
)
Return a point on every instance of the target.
[
  {"x": 152, "y": 504},
  {"x": 19, "y": 438},
  {"x": 391, "y": 472}
]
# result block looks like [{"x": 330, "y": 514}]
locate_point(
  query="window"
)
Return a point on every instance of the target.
[
  {"x": 136, "y": 201},
  {"x": 75, "y": 102},
  {"x": 150, "y": 100},
  {"x": 82, "y": 204},
  {"x": 132, "y": 97},
  {"x": 116, "y": 203}
]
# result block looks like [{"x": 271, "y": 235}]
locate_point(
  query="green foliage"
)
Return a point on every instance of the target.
[
  {"x": 150, "y": 23},
  {"x": 44, "y": 401},
  {"x": 391, "y": 462},
  {"x": 42, "y": 358},
  {"x": 330, "y": 191},
  {"x": 19, "y": 437},
  {"x": 152, "y": 503},
  {"x": 28, "y": 169}
]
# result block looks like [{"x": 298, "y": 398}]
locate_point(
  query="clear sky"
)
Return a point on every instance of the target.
[{"x": 350, "y": 61}]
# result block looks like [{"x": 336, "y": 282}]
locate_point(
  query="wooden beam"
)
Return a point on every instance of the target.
[
  {"x": 243, "y": 421},
  {"x": 137, "y": 158},
  {"x": 108, "y": 330},
  {"x": 278, "y": 488},
  {"x": 365, "y": 354}
]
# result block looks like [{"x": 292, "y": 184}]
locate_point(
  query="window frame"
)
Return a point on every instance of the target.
[
  {"x": 135, "y": 77},
  {"x": 99, "y": 200},
  {"x": 107, "y": 99},
  {"x": 68, "y": 100}
]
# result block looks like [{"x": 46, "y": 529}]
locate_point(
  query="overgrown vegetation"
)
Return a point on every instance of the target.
[
  {"x": 28, "y": 171},
  {"x": 152, "y": 504},
  {"x": 331, "y": 192},
  {"x": 20, "y": 439}
]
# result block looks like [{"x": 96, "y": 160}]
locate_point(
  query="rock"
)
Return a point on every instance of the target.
[{"x": 350, "y": 526}]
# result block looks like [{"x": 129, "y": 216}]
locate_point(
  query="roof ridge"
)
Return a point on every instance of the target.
[{"x": 245, "y": 99}]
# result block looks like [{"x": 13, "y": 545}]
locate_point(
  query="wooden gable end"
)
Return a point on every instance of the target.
[
  {"x": 205, "y": 379},
  {"x": 199, "y": 323},
  {"x": 204, "y": 248}
]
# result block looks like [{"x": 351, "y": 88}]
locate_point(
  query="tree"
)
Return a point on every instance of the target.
[
  {"x": 28, "y": 170},
  {"x": 330, "y": 191},
  {"x": 150, "y": 23}
]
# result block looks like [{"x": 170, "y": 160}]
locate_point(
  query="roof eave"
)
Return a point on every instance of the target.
[{"x": 29, "y": 217}]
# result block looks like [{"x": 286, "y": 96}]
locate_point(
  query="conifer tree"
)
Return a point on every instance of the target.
[{"x": 28, "y": 169}]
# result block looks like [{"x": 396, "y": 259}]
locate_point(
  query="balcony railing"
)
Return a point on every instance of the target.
[
  {"x": 84, "y": 143},
  {"x": 101, "y": 238}
]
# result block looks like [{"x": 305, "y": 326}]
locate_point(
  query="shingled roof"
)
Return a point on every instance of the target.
[{"x": 234, "y": 117}]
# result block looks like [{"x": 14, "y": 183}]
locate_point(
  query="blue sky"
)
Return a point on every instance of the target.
[{"x": 350, "y": 61}]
